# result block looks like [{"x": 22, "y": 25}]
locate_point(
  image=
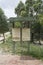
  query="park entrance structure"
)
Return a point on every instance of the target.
[{"x": 21, "y": 33}]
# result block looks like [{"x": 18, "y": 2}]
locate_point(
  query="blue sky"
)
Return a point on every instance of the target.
[{"x": 8, "y": 6}]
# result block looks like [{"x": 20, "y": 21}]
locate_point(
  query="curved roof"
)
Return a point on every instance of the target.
[{"x": 21, "y": 19}]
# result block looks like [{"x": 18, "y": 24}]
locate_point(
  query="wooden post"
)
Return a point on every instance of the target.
[{"x": 21, "y": 34}]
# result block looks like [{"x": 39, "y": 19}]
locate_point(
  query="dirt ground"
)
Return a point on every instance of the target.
[{"x": 18, "y": 60}]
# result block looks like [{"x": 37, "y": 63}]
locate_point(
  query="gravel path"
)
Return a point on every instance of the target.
[{"x": 18, "y": 60}]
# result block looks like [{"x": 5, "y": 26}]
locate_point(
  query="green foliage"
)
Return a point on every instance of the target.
[
  {"x": 27, "y": 48},
  {"x": 3, "y": 22},
  {"x": 40, "y": 17},
  {"x": 28, "y": 10},
  {"x": 23, "y": 13},
  {"x": 36, "y": 27},
  {"x": 19, "y": 8},
  {"x": 17, "y": 24},
  {"x": 37, "y": 7},
  {"x": 36, "y": 51},
  {"x": 30, "y": 6},
  {"x": 1, "y": 12}
]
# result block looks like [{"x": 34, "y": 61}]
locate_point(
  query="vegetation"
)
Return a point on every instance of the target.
[
  {"x": 27, "y": 48},
  {"x": 3, "y": 23},
  {"x": 20, "y": 9},
  {"x": 17, "y": 24},
  {"x": 31, "y": 8},
  {"x": 28, "y": 9}
]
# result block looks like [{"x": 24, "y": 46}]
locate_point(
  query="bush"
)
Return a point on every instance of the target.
[{"x": 36, "y": 51}]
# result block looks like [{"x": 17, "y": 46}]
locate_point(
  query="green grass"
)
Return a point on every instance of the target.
[
  {"x": 7, "y": 46},
  {"x": 27, "y": 48},
  {"x": 36, "y": 51}
]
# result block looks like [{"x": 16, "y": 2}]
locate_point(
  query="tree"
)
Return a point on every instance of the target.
[
  {"x": 21, "y": 11},
  {"x": 36, "y": 30},
  {"x": 30, "y": 11},
  {"x": 38, "y": 7},
  {"x": 19, "y": 8},
  {"x": 35, "y": 6},
  {"x": 30, "y": 8},
  {"x": 3, "y": 23}
]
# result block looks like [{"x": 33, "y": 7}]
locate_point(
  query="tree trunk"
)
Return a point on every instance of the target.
[
  {"x": 11, "y": 33},
  {"x": 39, "y": 39},
  {"x": 4, "y": 38}
]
